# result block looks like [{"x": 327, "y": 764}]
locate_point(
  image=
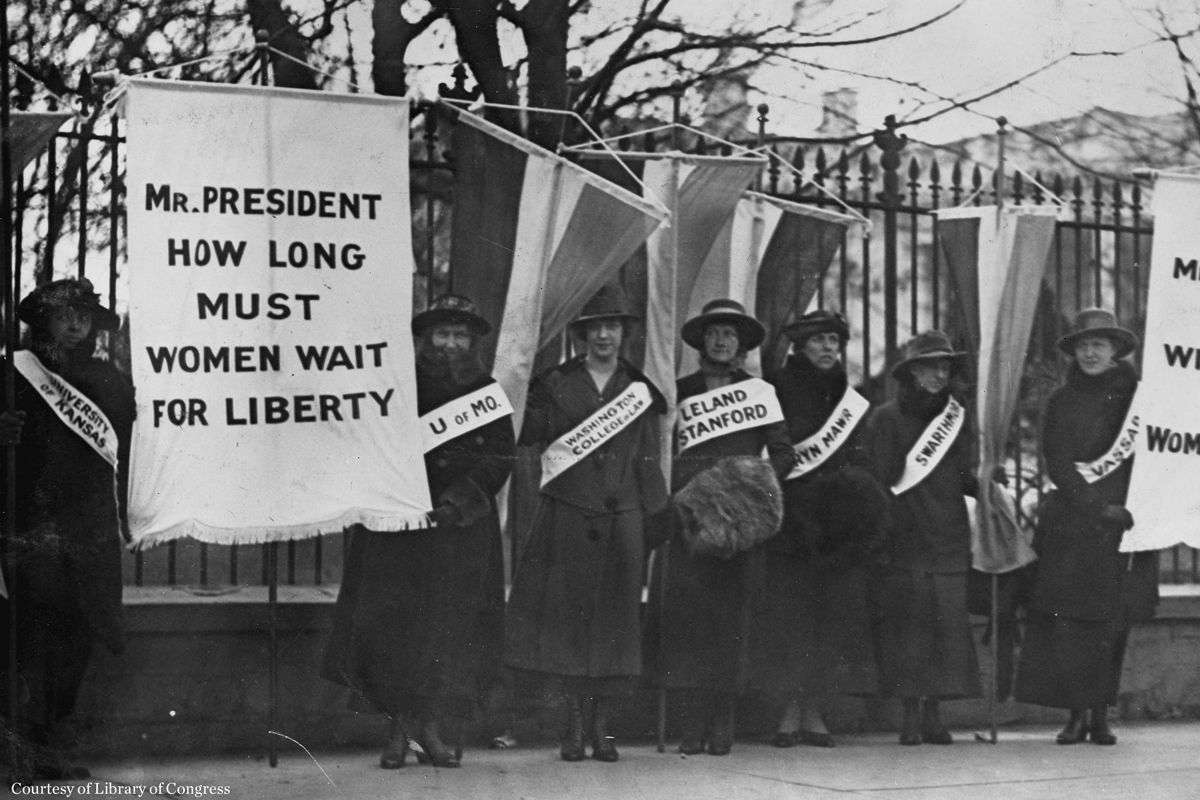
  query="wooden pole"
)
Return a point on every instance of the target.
[{"x": 10, "y": 337}]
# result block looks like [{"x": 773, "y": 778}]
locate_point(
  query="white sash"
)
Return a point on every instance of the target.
[
  {"x": 78, "y": 413},
  {"x": 572, "y": 447},
  {"x": 1121, "y": 449},
  {"x": 463, "y": 415},
  {"x": 737, "y": 407},
  {"x": 931, "y": 447},
  {"x": 816, "y": 449}
]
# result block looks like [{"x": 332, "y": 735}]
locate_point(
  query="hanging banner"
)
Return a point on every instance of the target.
[
  {"x": 996, "y": 259},
  {"x": 270, "y": 264},
  {"x": 1166, "y": 465}
]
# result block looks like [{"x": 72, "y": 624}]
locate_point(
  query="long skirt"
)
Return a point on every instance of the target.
[
  {"x": 576, "y": 598},
  {"x": 812, "y": 632},
  {"x": 923, "y": 635},
  {"x": 1071, "y": 663},
  {"x": 698, "y": 629},
  {"x": 418, "y": 625}
]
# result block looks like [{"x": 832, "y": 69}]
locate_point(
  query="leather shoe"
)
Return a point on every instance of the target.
[
  {"x": 1098, "y": 731},
  {"x": 603, "y": 749},
  {"x": 815, "y": 739},
  {"x": 910, "y": 734},
  {"x": 691, "y": 747},
  {"x": 786, "y": 739},
  {"x": 938, "y": 735},
  {"x": 572, "y": 741},
  {"x": 1075, "y": 731}
]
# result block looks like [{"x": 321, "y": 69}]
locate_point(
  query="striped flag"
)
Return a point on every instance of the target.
[
  {"x": 534, "y": 237},
  {"x": 30, "y": 132},
  {"x": 996, "y": 258}
]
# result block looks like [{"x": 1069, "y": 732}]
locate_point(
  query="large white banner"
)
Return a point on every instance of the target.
[
  {"x": 1166, "y": 467},
  {"x": 270, "y": 269}
]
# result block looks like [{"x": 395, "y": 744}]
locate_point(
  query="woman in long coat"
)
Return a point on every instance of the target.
[
  {"x": 921, "y": 446},
  {"x": 699, "y": 623},
  {"x": 419, "y": 620},
  {"x": 813, "y": 632},
  {"x": 573, "y": 617},
  {"x": 65, "y": 563},
  {"x": 1086, "y": 593}
]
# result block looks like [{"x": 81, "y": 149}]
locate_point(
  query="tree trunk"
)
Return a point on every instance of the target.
[
  {"x": 388, "y": 47},
  {"x": 544, "y": 24},
  {"x": 475, "y": 29}
]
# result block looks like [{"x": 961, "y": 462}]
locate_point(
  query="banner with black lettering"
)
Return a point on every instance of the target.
[
  {"x": 270, "y": 264},
  {"x": 1166, "y": 466},
  {"x": 737, "y": 407}
]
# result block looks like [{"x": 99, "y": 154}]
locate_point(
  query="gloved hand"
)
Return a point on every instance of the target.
[
  {"x": 445, "y": 515},
  {"x": 1117, "y": 515},
  {"x": 999, "y": 476}
]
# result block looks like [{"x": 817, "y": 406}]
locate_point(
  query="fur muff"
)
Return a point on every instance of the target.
[
  {"x": 841, "y": 518},
  {"x": 730, "y": 507}
]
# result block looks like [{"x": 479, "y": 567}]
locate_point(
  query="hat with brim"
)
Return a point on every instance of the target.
[
  {"x": 929, "y": 346},
  {"x": 820, "y": 321},
  {"x": 450, "y": 309},
  {"x": 608, "y": 303},
  {"x": 724, "y": 312},
  {"x": 40, "y": 304},
  {"x": 1098, "y": 322}
]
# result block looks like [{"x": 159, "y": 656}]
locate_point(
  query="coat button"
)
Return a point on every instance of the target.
[
  {"x": 611, "y": 503},
  {"x": 593, "y": 534}
]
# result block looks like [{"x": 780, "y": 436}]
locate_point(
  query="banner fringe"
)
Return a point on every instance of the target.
[{"x": 210, "y": 534}]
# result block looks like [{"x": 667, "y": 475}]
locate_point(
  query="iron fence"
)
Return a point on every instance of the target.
[{"x": 891, "y": 284}]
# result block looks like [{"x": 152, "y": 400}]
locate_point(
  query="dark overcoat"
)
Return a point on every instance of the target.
[
  {"x": 1080, "y": 572},
  {"x": 574, "y": 609},
  {"x": 920, "y": 623},
  {"x": 418, "y": 626},
  {"x": 66, "y": 559},
  {"x": 812, "y": 632},
  {"x": 698, "y": 630}
]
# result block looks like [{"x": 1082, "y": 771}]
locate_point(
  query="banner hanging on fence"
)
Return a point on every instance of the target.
[
  {"x": 996, "y": 258},
  {"x": 270, "y": 268},
  {"x": 1166, "y": 467}
]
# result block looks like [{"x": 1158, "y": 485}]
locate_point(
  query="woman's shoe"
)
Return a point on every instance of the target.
[
  {"x": 720, "y": 740},
  {"x": 434, "y": 749},
  {"x": 1076, "y": 729},
  {"x": 571, "y": 748},
  {"x": 786, "y": 739},
  {"x": 604, "y": 747},
  {"x": 691, "y": 747},
  {"x": 932, "y": 729},
  {"x": 1098, "y": 730},
  {"x": 910, "y": 732},
  {"x": 815, "y": 738},
  {"x": 396, "y": 750}
]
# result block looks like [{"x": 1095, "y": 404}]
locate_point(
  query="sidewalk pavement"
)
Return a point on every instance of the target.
[{"x": 1152, "y": 760}]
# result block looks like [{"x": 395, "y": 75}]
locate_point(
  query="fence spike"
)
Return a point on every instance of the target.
[{"x": 935, "y": 174}]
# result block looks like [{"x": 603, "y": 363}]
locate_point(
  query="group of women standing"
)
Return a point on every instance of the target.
[{"x": 808, "y": 546}]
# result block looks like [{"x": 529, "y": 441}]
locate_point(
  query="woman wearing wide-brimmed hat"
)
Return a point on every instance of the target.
[
  {"x": 728, "y": 503},
  {"x": 1086, "y": 593},
  {"x": 574, "y": 615},
  {"x": 922, "y": 448},
  {"x": 418, "y": 628},
  {"x": 64, "y": 565},
  {"x": 812, "y": 634}
]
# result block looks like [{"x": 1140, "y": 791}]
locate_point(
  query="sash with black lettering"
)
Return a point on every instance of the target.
[
  {"x": 737, "y": 407},
  {"x": 1121, "y": 450},
  {"x": 575, "y": 445},
  {"x": 463, "y": 415},
  {"x": 931, "y": 447},
  {"x": 816, "y": 449},
  {"x": 83, "y": 417}
]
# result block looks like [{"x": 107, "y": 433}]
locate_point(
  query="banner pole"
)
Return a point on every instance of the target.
[
  {"x": 10, "y": 339},
  {"x": 985, "y": 494},
  {"x": 263, "y": 40}
]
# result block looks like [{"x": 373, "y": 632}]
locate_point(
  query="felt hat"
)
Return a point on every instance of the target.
[
  {"x": 42, "y": 302},
  {"x": 1098, "y": 322},
  {"x": 814, "y": 322},
  {"x": 727, "y": 312},
  {"x": 928, "y": 346},
  {"x": 450, "y": 309},
  {"x": 608, "y": 303}
]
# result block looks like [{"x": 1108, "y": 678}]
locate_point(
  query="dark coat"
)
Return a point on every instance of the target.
[
  {"x": 419, "y": 620},
  {"x": 66, "y": 560},
  {"x": 929, "y": 528},
  {"x": 698, "y": 630},
  {"x": 576, "y": 594},
  {"x": 812, "y": 630},
  {"x": 1080, "y": 572},
  {"x": 833, "y": 515}
]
